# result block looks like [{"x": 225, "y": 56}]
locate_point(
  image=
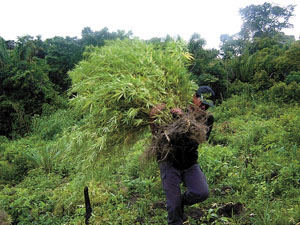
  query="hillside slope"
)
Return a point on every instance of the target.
[{"x": 251, "y": 163}]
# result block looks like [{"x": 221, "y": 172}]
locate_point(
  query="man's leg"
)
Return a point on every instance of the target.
[
  {"x": 197, "y": 188},
  {"x": 171, "y": 179}
]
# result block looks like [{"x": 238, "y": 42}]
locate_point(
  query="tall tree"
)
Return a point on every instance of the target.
[
  {"x": 201, "y": 57},
  {"x": 24, "y": 85},
  {"x": 98, "y": 38},
  {"x": 3, "y": 52},
  {"x": 265, "y": 20},
  {"x": 62, "y": 55},
  {"x": 205, "y": 67},
  {"x": 231, "y": 46}
]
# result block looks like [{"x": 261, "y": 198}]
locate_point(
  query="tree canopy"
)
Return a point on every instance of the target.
[{"x": 265, "y": 20}]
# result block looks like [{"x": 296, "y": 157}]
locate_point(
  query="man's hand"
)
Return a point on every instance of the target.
[
  {"x": 177, "y": 111},
  {"x": 157, "y": 109}
]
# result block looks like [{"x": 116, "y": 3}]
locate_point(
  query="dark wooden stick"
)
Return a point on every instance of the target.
[{"x": 88, "y": 208}]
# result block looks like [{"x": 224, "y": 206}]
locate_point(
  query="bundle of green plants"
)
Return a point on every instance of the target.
[{"x": 115, "y": 87}]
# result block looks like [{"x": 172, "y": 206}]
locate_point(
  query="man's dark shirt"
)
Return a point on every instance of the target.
[{"x": 185, "y": 153}]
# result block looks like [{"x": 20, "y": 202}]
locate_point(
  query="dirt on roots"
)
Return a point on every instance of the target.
[{"x": 191, "y": 126}]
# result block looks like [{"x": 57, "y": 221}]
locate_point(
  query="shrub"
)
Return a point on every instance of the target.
[
  {"x": 49, "y": 126},
  {"x": 30, "y": 201},
  {"x": 293, "y": 77},
  {"x": 20, "y": 156},
  {"x": 283, "y": 93},
  {"x": 238, "y": 88},
  {"x": 262, "y": 81}
]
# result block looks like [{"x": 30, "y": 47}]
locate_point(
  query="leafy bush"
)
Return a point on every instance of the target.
[
  {"x": 18, "y": 157},
  {"x": 262, "y": 81},
  {"x": 14, "y": 161},
  {"x": 27, "y": 88},
  {"x": 239, "y": 87},
  {"x": 293, "y": 77},
  {"x": 48, "y": 126},
  {"x": 283, "y": 93},
  {"x": 30, "y": 201},
  {"x": 290, "y": 123}
]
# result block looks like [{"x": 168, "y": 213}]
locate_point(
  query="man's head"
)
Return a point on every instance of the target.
[{"x": 200, "y": 98}]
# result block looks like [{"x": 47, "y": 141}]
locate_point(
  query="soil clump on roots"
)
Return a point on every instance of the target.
[{"x": 188, "y": 127}]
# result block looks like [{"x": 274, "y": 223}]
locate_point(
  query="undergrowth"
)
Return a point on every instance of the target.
[{"x": 251, "y": 161}]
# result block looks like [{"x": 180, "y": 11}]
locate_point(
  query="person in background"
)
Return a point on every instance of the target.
[{"x": 182, "y": 167}]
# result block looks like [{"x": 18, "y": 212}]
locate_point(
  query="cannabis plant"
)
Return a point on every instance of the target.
[{"x": 115, "y": 87}]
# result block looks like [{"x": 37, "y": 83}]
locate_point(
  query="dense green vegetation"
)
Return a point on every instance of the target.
[
  {"x": 68, "y": 105},
  {"x": 34, "y": 75}
]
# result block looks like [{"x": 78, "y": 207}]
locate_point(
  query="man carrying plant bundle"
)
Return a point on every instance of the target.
[{"x": 175, "y": 146}]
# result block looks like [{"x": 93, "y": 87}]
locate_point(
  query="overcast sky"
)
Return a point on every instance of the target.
[{"x": 145, "y": 18}]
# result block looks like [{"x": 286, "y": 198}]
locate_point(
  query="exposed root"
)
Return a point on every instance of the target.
[{"x": 191, "y": 126}]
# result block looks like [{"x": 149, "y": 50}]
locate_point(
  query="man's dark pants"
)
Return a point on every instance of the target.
[{"x": 197, "y": 189}]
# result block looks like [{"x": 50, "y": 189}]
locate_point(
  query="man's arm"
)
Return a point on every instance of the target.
[{"x": 156, "y": 110}]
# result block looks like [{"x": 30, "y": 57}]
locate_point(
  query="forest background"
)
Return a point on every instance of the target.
[{"x": 49, "y": 153}]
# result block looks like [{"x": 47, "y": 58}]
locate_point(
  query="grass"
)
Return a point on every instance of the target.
[{"x": 251, "y": 164}]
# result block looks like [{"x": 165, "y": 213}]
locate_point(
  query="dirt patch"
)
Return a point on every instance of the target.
[
  {"x": 159, "y": 205},
  {"x": 4, "y": 218},
  {"x": 230, "y": 209},
  {"x": 133, "y": 199},
  {"x": 195, "y": 213},
  {"x": 222, "y": 210}
]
